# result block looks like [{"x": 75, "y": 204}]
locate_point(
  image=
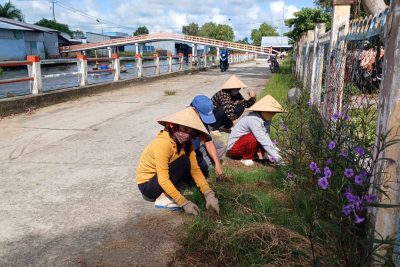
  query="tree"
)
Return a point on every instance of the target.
[
  {"x": 264, "y": 30},
  {"x": 245, "y": 40},
  {"x": 191, "y": 29},
  {"x": 141, "y": 30},
  {"x": 217, "y": 31},
  {"x": 52, "y": 24},
  {"x": 77, "y": 34},
  {"x": 305, "y": 20},
  {"x": 8, "y": 10}
]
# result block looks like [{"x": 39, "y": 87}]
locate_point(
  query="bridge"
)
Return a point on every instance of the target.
[{"x": 165, "y": 36}]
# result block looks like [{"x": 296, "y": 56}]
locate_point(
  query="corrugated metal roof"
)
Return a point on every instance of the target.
[
  {"x": 275, "y": 41},
  {"x": 27, "y": 25},
  {"x": 8, "y": 26}
]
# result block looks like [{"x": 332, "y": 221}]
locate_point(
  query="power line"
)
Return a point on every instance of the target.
[{"x": 76, "y": 11}]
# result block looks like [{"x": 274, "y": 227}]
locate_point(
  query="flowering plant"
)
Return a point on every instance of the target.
[{"x": 334, "y": 161}]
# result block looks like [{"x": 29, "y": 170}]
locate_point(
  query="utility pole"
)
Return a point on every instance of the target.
[{"x": 54, "y": 16}]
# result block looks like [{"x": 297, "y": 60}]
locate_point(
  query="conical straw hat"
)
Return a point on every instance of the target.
[
  {"x": 187, "y": 117},
  {"x": 267, "y": 103},
  {"x": 233, "y": 83}
]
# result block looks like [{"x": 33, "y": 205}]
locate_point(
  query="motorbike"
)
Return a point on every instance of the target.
[
  {"x": 223, "y": 62},
  {"x": 274, "y": 65}
]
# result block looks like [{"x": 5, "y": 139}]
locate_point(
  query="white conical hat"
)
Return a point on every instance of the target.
[
  {"x": 267, "y": 103},
  {"x": 187, "y": 117},
  {"x": 233, "y": 83}
]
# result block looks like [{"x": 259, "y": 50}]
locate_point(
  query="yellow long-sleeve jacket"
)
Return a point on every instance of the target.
[{"x": 157, "y": 157}]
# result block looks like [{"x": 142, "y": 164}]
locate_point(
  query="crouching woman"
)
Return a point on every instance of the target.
[
  {"x": 250, "y": 138},
  {"x": 170, "y": 160}
]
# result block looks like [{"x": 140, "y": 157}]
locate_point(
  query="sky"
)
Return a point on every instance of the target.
[{"x": 162, "y": 15}]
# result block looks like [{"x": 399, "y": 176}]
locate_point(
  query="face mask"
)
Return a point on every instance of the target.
[
  {"x": 181, "y": 136},
  {"x": 234, "y": 92}
]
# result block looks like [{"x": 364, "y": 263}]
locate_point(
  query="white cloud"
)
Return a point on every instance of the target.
[{"x": 160, "y": 15}]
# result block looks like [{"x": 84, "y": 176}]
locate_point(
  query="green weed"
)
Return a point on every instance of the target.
[{"x": 169, "y": 92}]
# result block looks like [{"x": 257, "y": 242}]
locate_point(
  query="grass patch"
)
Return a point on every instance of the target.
[
  {"x": 255, "y": 226},
  {"x": 169, "y": 92},
  {"x": 280, "y": 83}
]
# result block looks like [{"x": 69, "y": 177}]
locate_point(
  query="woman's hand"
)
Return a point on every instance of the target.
[
  {"x": 190, "y": 208},
  {"x": 211, "y": 201}
]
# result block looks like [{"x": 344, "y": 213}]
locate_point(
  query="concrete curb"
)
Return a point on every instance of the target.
[{"x": 21, "y": 104}]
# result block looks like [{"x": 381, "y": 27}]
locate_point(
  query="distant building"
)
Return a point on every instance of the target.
[
  {"x": 277, "y": 42},
  {"x": 19, "y": 39}
]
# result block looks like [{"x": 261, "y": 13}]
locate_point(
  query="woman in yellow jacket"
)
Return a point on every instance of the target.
[{"x": 170, "y": 160}]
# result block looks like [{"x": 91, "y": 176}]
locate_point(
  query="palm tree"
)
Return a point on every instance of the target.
[{"x": 8, "y": 10}]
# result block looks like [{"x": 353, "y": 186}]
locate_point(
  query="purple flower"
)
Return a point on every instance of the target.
[
  {"x": 328, "y": 161},
  {"x": 358, "y": 219},
  {"x": 313, "y": 166},
  {"x": 335, "y": 116},
  {"x": 346, "y": 117},
  {"x": 346, "y": 210},
  {"x": 289, "y": 175},
  {"x": 271, "y": 158},
  {"x": 323, "y": 183},
  {"x": 359, "y": 150},
  {"x": 343, "y": 153},
  {"x": 283, "y": 126},
  {"x": 358, "y": 179},
  {"x": 369, "y": 198},
  {"x": 309, "y": 103},
  {"x": 331, "y": 145},
  {"x": 348, "y": 172},
  {"x": 349, "y": 195},
  {"x": 327, "y": 172},
  {"x": 317, "y": 170},
  {"x": 275, "y": 142}
]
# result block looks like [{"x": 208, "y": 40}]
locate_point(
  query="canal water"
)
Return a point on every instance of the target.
[{"x": 55, "y": 83}]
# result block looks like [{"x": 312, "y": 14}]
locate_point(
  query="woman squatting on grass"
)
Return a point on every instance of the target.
[
  {"x": 170, "y": 160},
  {"x": 250, "y": 137}
]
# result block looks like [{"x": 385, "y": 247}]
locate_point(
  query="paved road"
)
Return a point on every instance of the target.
[{"x": 67, "y": 194}]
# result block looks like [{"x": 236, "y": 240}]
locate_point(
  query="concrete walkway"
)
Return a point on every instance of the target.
[{"x": 68, "y": 195}]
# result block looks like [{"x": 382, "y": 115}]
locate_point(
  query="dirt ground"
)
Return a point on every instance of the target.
[{"x": 68, "y": 195}]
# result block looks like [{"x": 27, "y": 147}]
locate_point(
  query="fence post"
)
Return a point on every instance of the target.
[
  {"x": 190, "y": 59},
  {"x": 386, "y": 220},
  {"x": 35, "y": 72},
  {"x": 180, "y": 61},
  {"x": 317, "y": 65},
  {"x": 205, "y": 60},
  {"x": 341, "y": 15},
  {"x": 82, "y": 69},
  {"x": 169, "y": 59},
  {"x": 306, "y": 74},
  {"x": 217, "y": 57},
  {"x": 156, "y": 60},
  {"x": 116, "y": 63},
  {"x": 139, "y": 65}
]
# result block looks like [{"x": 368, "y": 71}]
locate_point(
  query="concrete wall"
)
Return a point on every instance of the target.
[{"x": 12, "y": 45}]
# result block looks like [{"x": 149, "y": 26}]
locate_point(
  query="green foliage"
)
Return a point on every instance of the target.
[
  {"x": 191, "y": 29},
  {"x": 52, "y": 24},
  {"x": 78, "y": 34},
  {"x": 305, "y": 20},
  {"x": 126, "y": 53},
  {"x": 169, "y": 92},
  {"x": 245, "y": 40},
  {"x": 217, "y": 31},
  {"x": 8, "y": 10},
  {"x": 264, "y": 30},
  {"x": 141, "y": 30},
  {"x": 335, "y": 215},
  {"x": 255, "y": 226}
]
